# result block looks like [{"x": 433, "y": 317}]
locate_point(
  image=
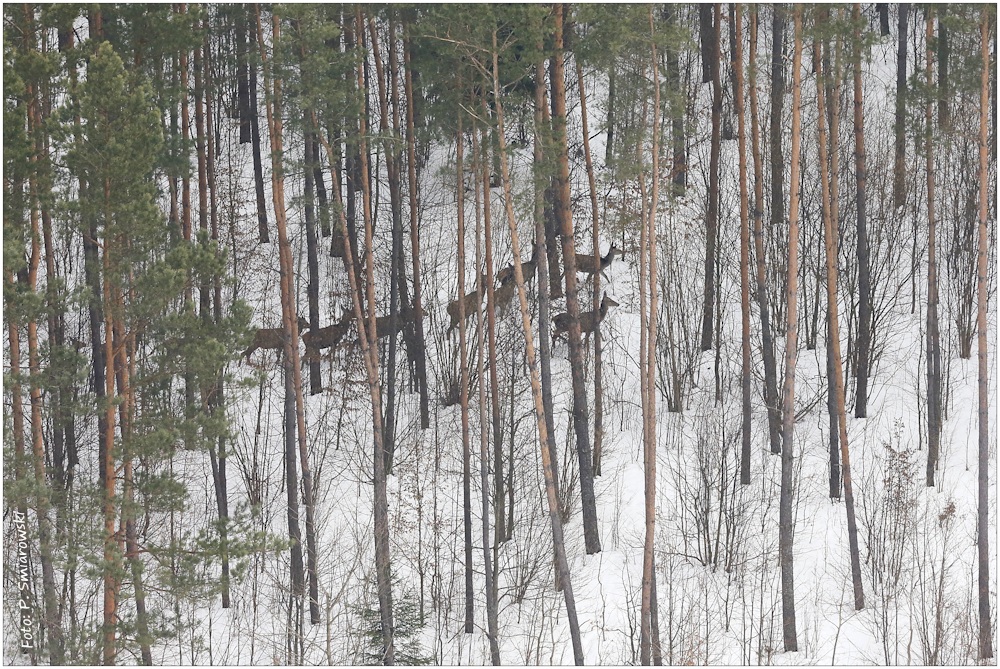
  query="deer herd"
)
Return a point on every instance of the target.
[{"x": 330, "y": 336}]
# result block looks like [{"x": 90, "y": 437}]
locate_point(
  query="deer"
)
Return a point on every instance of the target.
[
  {"x": 403, "y": 318},
  {"x": 528, "y": 269},
  {"x": 271, "y": 338},
  {"x": 326, "y": 337},
  {"x": 472, "y": 302},
  {"x": 588, "y": 319},
  {"x": 589, "y": 265},
  {"x": 504, "y": 294}
]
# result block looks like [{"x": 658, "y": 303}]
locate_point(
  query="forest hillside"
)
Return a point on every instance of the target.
[{"x": 499, "y": 334}]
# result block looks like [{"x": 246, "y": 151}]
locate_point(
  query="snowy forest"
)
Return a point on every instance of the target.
[{"x": 499, "y": 334}]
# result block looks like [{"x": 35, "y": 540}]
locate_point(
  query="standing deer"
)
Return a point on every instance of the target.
[
  {"x": 505, "y": 293},
  {"x": 589, "y": 265},
  {"x": 472, "y": 302},
  {"x": 271, "y": 338},
  {"x": 326, "y": 337},
  {"x": 528, "y": 269},
  {"x": 403, "y": 318},
  {"x": 588, "y": 319}
]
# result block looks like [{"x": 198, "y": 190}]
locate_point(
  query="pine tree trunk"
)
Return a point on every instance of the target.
[
  {"x": 785, "y": 512},
  {"x": 544, "y": 437},
  {"x": 899, "y": 180},
  {"x": 745, "y": 454},
  {"x": 484, "y": 458},
  {"x": 564, "y": 215},
  {"x": 678, "y": 134},
  {"x": 933, "y": 336},
  {"x": 775, "y": 131},
  {"x": 767, "y": 341},
  {"x": 864, "y": 259},
  {"x": 712, "y": 219},
  {"x": 464, "y": 388},
  {"x": 596, "y": 300},
  {"x": 982, "y": 297},
  {"x": 312, "y": 251},
  {"x": 648, "y": 623},
  {"x": 258, "y": 166},
  {"x": 421, "y": 353},
  {"x": 829, "y": 197},
  {"x": 491, "y": 323},
  {"x": 289, "y": 311},
  {"x": 543, "y": 138}
]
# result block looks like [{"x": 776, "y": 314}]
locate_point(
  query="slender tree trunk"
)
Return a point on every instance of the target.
[
  {"x": 767, "y": 341},
  {"x": 548, "y": 465},
  {"x": 899, "y": 180},
  {"x": 312, "y": 251},
  {"x": 744, "y": 248},
  {"x": 829, "y": 196},
  {"x": 421, "y": 355},
  {"x": 491, "y": 323},
  {"x": 258, "y": 166},
  {"x": 112, "y": 554},
  {"x": 785, "y": 511},
  {"x": 982, "y": 296},
  {"x": 218, "y": 460},
  {"x": 289, "y": 310},
  {"x": 712, "y": 219},
  {"x": 543, "y": 138},
  {"x": 464, "y": 388},
  {"x": 647, "y": 621},
  {"x": 933, "y": 337},
  {"x": 775, "y": 131},
  {"x": 564, "y": 215},
  {"x": 484, "y": 458},
  {"x": 596, "y": 303},
  {"x": 864, "y": 259},
  {"x": 678, "y": 137}
]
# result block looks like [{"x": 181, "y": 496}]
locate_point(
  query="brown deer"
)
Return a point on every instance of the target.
[
  {"x": 326, "y": 337},
  {"x": 271, "y": 338},
  {"x": 588, "y": 319},
  {"x": 504, "y": 294},
  {"x": 403, "y": 318},
  {"x": 528, "y": 269},
  {"x": 472, "y": 302},
  {"x": 589, "y": 265}
]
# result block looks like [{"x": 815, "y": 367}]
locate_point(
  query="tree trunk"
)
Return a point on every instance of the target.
[
  {"x": 312, "y": 242},
  {"x": 564, "y": 216},
  {"x": 544, "y": 436},
  {"x": 899, "y": 180},
  {"x": 289, "y": 311},
  {"x": 712, "y": 219},
  {"x": 596, "y": 301},
  {"x": 678, "y": 134},
  {"x": 829, "y": 196},
  {"x": 933, "y": 337},
  {"x": 775, "y": 130},
  {"x": 484, "y": 458},
  {"x": 258, "y": 166},
  {"x": 767, "y": 342},
  {"x": 491, "y": 324},
  {"x": 648, "y": 623},
  {"x": 543, "y": 138},
  {"x": 464, "y": 388},
  {"x": 785, "y": 512},
  {"x": 982, "y": 296},
  {"x": 864, "y": 260},
  {"x": 421, "y": 354},
  {"x": 746, "y": 452}
]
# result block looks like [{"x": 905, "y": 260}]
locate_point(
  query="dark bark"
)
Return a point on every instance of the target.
[
  {"x": 933, "y": 334},
  {"x": 899, "y": 179},
  {"x": 421, "y": 349},
  {"x": 258, "y": 166},
  {"x": 712, "y": 219},
  {"x": 708, "y": 35},
  {"x": 678, "y": 134},
  {"x": 544, "y": 435},
  {"x": 564, "y": 216},
  {"x": 771, "y": 398},
  {"x": 864, "y": 260},
  {"x": 312, "y": 243},
  {"x": 745, "y": 452}
]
